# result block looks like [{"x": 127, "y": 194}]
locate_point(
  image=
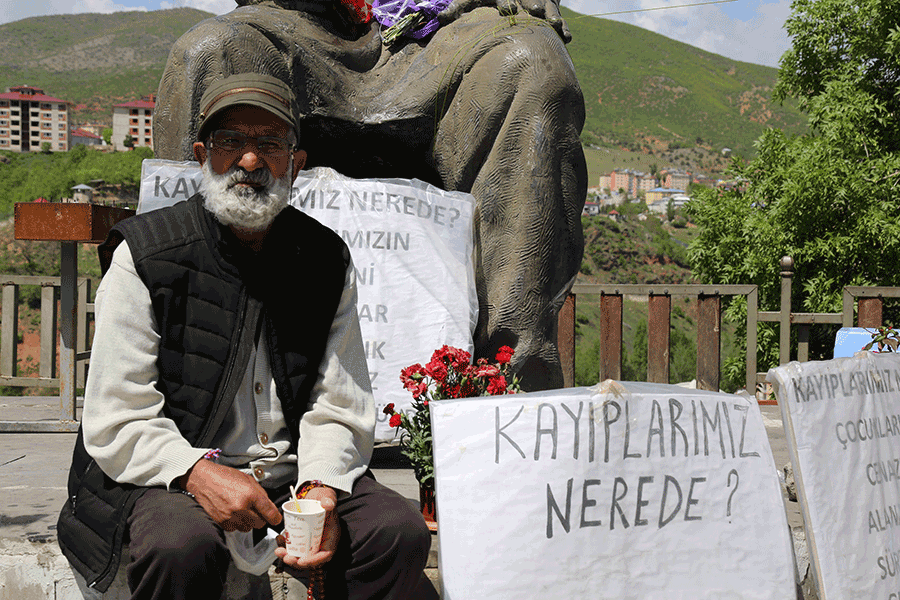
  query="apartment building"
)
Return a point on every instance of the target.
[
  {"x": 676, "y": 178},
  {"x": 135, "y": 119},
  {"x": 629, "y": 180},
  {"x": 83, "y": 137},
  {"x": 29, "y": 119}
]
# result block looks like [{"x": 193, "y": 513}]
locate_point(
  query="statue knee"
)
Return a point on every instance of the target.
[{"x": 535, "y": 58}]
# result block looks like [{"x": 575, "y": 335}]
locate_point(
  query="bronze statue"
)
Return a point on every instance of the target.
[{"x": 488, "y": 104}]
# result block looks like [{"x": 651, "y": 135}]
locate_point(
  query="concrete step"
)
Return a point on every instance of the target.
[{"x": 33, "y": 472}]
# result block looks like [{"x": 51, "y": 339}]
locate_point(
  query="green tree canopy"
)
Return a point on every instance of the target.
[{"x": 829, "y": 199}]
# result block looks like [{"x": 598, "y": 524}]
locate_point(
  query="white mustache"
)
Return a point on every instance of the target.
[{"x": 240, "y": 175}]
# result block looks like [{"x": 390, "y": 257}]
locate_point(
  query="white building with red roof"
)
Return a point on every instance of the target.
[
  {"x": 135, "y": 119},
  {"x": 29, "y": 119},
  {"x": 85, "y": 138}
]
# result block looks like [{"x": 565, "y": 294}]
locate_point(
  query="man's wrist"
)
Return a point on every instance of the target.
[{"x": 308, "y": 486}]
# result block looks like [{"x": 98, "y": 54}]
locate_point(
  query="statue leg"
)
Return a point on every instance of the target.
[{"x": 509, "y": 134}]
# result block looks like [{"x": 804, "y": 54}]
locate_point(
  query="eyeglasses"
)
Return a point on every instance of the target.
[{"x": 232, "y": 141}]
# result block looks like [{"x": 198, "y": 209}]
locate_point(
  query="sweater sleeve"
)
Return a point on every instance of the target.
[
  {"x": 123, "y": 424},
  {"x": 337, "y": 432}
]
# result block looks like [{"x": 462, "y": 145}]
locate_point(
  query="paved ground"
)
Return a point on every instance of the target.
[{"x": 33, "y": 470}]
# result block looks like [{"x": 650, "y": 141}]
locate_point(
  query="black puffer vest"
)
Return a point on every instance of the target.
[{"x": 208, "y": 294}]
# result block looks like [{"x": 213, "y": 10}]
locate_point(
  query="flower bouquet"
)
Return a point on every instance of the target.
[
  {"x": 884, "y": 339},
  {"x": 449, "y": 375}
]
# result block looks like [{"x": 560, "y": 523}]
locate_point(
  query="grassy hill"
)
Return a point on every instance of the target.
[
  {"x": 643, "y": 92},
  {"x": 92, "y": 60},
  {"x": 647, "y": 92}
]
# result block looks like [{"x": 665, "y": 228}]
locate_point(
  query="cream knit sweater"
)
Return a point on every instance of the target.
[{"x": 127, "y": 434}]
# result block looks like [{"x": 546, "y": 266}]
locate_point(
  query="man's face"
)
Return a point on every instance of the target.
[{"x": 248, "y": 166}]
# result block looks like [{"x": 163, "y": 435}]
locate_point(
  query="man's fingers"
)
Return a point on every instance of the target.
[
  {"x": 313, "y": 560},
  {"x": 327, "y": 503},
  {"x": 266, "y": 510}
]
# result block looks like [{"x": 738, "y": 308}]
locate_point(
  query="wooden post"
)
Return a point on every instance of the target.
[
  {"x": 708, "y": 334},
  {"x": 566, "y": 340},
  {"x": 658, "y": 316},
  {"x": 610, "y": 337},
  {"x": 870, "y": 312}
]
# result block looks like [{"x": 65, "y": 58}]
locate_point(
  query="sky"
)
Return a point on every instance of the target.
[{"x": 746, "y": 30}]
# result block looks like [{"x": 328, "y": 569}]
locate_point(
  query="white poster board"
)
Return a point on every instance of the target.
[
  {"x": 412, "y": 247},
  {"x": 842, "y": 419},
  {"x": 624, "y": 490}
]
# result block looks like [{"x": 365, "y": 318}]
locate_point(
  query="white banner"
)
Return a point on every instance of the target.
[
  {"x": 412, "y": 247},
  {"x": 625, "y": 490},
  {"x": 842, "y": 419}
]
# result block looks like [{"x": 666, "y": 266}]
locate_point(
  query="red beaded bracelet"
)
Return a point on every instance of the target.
[{"x": 308, "y": 487}]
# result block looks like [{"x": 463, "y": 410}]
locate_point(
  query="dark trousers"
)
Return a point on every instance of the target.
[{"x": 177, "y": 551}]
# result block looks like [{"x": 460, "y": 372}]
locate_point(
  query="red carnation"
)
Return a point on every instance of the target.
[
  {"x": 395, "y": 421},
  {"x": 497, "y": 386},
  {"x": 487, "y": 371},
  {"x": 411, "y": 376},
  {"x": 359, "y": 10},
  {"x": 436, "y": 369},
  {"x": 504, "y": 354}
]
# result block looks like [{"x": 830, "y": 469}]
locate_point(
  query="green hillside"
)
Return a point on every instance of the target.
[
  {"x": 643, "y": 91},
  {"x": 92, "y": 60},
  {"x": 647, "y": 92}
]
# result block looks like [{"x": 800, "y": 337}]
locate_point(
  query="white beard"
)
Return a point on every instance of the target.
[{"x": 241, "y": 206}]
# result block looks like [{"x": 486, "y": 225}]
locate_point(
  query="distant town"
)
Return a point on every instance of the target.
[{"x": 32, "y": 121}]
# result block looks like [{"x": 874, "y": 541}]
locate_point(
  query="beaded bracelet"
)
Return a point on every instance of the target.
[
  {"x": 308, "y": 487},
  {"x": 213, "y": 454}
]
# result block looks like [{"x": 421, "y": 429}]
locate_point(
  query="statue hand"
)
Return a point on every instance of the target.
[{"x": 547, "y": 10}]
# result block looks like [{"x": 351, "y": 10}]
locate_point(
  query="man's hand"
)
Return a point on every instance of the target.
[
  {"x": 330, "y": 535},
  {"x": 233, "y": 499},
  {"x": 547, "y": 10}
]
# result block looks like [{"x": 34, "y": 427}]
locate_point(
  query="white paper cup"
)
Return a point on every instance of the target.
[{"x": 303, "y": 530}]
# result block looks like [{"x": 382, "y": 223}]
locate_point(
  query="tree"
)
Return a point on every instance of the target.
[
  {"x": 828, "y": 198},
  {"x": 107, "y": 136},
  {"x": 128, "y": 142},
  {"x": 46, "y": 147}
]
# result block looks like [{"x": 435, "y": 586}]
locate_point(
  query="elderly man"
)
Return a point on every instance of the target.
[
  {"x": 488, "y": 104},
  {"x": 228, "y": 365}
]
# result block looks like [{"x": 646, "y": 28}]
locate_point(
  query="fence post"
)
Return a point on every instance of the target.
[
  {"x": 68, "y": 327},
  {"x": 10, "y": 331},
  {"x": 610, "y": 337},
  {"x": 752, "y": 320},
  {"x": 565, "y": 340},
  {"x": 49, "y": 295},
  {"x": 658, "y": 316},
  {"x": 708, "y": 342},
  {"x": 784, "y": 333},
  {"x": 84, "y": 293},
  {"x": 869, "y": 312}
]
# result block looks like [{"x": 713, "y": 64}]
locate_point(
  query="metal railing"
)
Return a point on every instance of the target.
[
  {"x": 870, "y": 301},
  {"x": 50, "y": 359},
  {"x": 659, "y": 297}
]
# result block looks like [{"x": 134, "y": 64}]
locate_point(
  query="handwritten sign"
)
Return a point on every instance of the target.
[
  {"x": 412, "y": 247},
  {"x": 625, "y": 490},
  {"x": 842, "y": 419}
]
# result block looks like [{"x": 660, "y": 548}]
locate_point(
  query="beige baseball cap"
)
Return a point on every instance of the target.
[{"x": 255, "y": 89}]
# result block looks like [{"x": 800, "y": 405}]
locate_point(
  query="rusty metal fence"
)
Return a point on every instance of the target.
[
  {"x": 867, "y": 302},
  {"x": 51, "y": 359}
]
